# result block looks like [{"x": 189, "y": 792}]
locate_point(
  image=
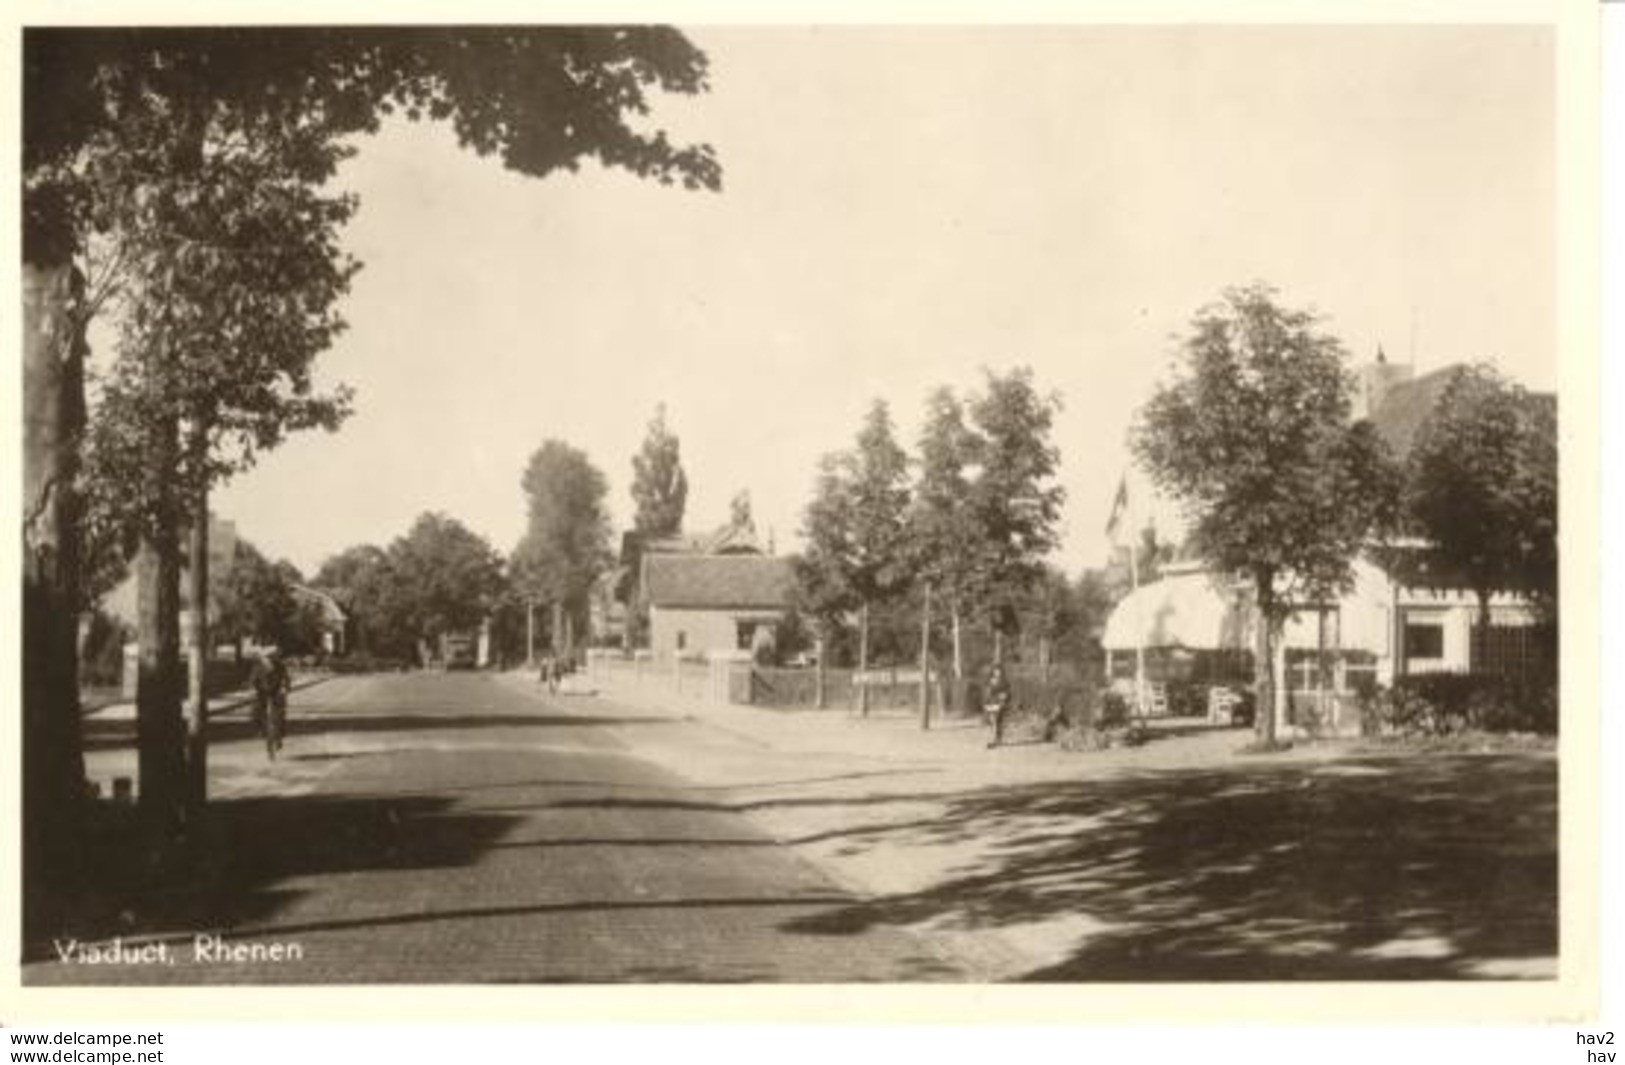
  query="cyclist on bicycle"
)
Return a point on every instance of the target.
[{"x": 271, "y": 684}]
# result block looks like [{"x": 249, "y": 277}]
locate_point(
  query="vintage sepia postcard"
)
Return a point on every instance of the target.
[{"x": 1056, "y": 518}]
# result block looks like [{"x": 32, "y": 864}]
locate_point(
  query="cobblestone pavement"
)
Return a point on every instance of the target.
[{"x": 451, "y": 829}]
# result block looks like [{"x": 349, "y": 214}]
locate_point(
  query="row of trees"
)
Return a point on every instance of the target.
[
  {"x": 176, "y": 176},
  {"x": 258, "y": 604},
  {"x": 566, "y": 546},
  {"x": 438, "y": 577},
  {"x": 255, "y": 601},
  {"x": 1255, "y": 436},
  {"x": 970, "y": 528}
]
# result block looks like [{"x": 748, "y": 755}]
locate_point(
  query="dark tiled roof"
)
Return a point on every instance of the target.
[
  {"x": 718, "y": 581},
  {"x": 727, "y": 540},
  {"x": 1401, "y": 412},
  {"x": 331, "y": 607}
]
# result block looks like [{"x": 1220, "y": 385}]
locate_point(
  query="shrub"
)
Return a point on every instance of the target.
[
  {"x": 1098, "y": 737},
  {"x": 1115, "y": 710},
  {"x": 1186, "y": 698},
  {"x": 1447, "y": 704}
]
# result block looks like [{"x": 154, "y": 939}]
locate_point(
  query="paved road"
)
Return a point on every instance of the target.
[{"x": 453, "y": 828}]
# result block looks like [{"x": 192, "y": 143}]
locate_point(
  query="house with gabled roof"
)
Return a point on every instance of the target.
[{"x": 701, "y": 603}]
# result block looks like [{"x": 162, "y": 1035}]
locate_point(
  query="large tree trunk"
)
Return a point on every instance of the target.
[
  {"x": 959, "y": 645},
  {"x": 1478, "y": 658},
  {"x": 197, "y": 705},
  {"x": 1264, "y": 663},
  {"x": 820, "y": 697},
  {"x": 159, "y": 736},
  {"x": 1322, "y": 678},
  {"x": 53, "y": 420},
  {"x": 925, "y": 661},
  {"x": 863, "y": 660}
]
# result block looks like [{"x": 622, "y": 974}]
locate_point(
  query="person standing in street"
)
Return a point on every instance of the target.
[{"x": 996, "y": 698}]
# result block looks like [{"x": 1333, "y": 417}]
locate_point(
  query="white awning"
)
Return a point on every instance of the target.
[{"x": 1190, "y": 610}]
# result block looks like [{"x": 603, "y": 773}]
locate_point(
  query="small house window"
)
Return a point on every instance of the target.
[
  {"x": 1360, "y": 671},
  {"x": 1424, "y": 640},
  {"x": 682, "y": 640}
]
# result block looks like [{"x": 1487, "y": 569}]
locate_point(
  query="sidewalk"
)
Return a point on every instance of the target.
[
  {"x": 958, "y": 743},
  {"x": 876, "y": 802},
  {"x": 1179, "y": 859}
]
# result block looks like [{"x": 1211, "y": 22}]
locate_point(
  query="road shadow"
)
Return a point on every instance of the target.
[
  {"x": 318, "y": 724},
  {"x": 119, "y": 735},
  {"x": 234, "y": 867},
  {"x": 1359, "y": 869}
]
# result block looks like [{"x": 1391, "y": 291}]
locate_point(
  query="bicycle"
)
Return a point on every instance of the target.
[{"x": 271, "y": 714}]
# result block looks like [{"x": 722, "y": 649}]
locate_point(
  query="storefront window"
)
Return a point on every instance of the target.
[{"x": 1424, "y": 640}]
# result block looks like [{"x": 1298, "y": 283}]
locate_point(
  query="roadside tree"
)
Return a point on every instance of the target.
[
  {"x": 220, "y": 266},
  {"x": 1013, "y": 500},
  {"x": 361, "y": 579},
  {"x": 541, "y": 98},
  {"x": 942, "y": 529},
  {"x": 443, "y": 579},
  {"x": 256, "y": 600},
  {"x": 1481, "y": 487},
  {"x": 566, "y": 542},
  {"x": 659, "y": 485},
  {"x": 1254, "y": 438},
  {"x": 856, "y": 530}
]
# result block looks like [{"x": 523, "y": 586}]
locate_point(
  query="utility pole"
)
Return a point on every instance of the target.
[
  {"x": 925, "y": 661},
  {"x": 530, "y": 632},
  {"x": 197, "y": 706}
]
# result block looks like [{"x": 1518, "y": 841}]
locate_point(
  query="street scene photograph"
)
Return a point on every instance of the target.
[{"x": 669, "y": 505}]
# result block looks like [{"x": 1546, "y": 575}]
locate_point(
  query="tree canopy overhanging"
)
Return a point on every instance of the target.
[{"x": 540, "y": 98}]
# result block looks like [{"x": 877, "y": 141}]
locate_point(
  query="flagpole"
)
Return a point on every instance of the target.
[
  {"x": 1123, "y": 508},
  {"x": 1139, "y": 615}
]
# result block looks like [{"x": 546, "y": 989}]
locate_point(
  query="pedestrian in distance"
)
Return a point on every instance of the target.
[{"x": 996, "y": 700}]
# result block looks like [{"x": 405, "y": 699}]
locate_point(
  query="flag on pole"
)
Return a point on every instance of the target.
[{"x": 1119, "y": 509}]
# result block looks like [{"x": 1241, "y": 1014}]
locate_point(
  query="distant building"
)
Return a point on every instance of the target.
[
  {"x": 332, "y": 618},
  {"x": 122, "y": 602},
  {"x": 1398, "y": 619},
  {"x": 622, "y": 597},
  {"x": 702, "y": 603}
]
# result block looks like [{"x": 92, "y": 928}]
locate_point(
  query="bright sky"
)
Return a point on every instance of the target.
[{"x": 901, "y": 208}]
